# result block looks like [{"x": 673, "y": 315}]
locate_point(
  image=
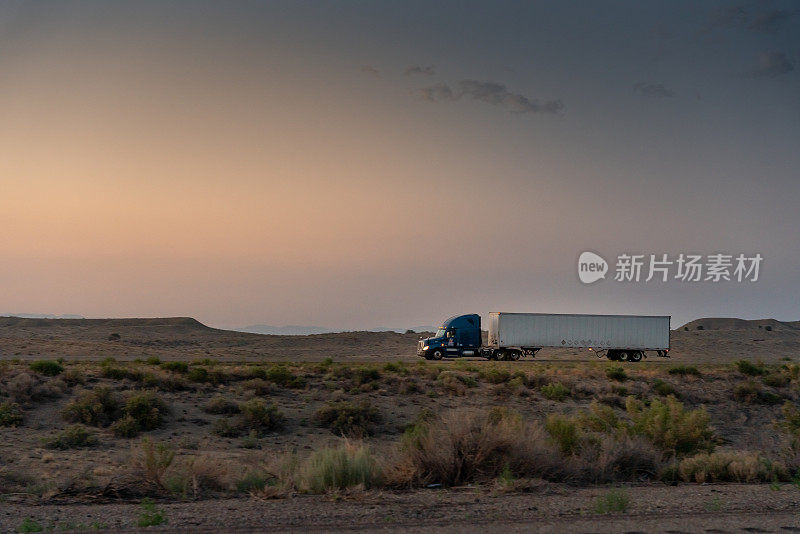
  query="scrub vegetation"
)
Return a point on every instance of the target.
[{"x": 202, "y": 429}]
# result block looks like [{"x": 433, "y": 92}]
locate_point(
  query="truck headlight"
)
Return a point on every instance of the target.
[{"x": 425, "y": 347}]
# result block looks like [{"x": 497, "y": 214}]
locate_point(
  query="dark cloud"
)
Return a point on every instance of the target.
[
  {"x": 492, "y": 93},
  {"x": 770, "y": 65},
  {"x": 437, "y": 93},
  {"x": 369, "y": 69},
  {"x": 425, "y": 70},
  {"x": 743, "y": 18},
  {"x": 654, "y": 90}
]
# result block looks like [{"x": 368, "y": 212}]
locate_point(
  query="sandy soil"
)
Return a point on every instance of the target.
[{"x": 551, "y": 508}]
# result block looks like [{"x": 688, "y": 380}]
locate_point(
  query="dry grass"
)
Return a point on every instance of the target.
[
  {"x": 335, "y": 468},
  {"x": 467, "y": 446},
  {"x": 151, "y": 461},
  {"x": 730, "y": 467}
]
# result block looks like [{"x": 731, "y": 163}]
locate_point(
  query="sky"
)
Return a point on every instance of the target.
[{"x": 362, "y": 164}]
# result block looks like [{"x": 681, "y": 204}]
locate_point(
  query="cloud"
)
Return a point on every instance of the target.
[
  {"x": 369, "y": 69},
  {"x": 437, "y": 93},
  {"x": 770, "y": 65},
  {"x": 743, "y": 18},
  {"x": 653, "y": 90},
  {"x": 425, "y": 70},
  {"x": 492, "y": 93}
]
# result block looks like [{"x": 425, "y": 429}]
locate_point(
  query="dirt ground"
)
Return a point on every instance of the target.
[{"x": 687, "y": 508}]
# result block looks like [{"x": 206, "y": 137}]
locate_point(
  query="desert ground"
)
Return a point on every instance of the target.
[
  {"x": 168, "y": 424},
  {"x": 713, "y": 340}
]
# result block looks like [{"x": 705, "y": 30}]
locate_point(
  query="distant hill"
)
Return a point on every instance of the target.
[
  {"x": 42, "y": 316},
  {"x": 185, "y": 338},
  {"x": 731, "y": 323},
  {"x": 289, "y": 330},
  {"x": 299, "y": 330}
]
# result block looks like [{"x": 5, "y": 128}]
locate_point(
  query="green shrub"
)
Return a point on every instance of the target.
[
  {"x": 30, "y": 525},
  {"x": 777, "y": 380},
  {"x": 153, "y": 360},
  {"x": 281, "y": 375},
  {"x": 221, "y": 405},
  {"x": 616, "y": 373},
  {"x": 163, "y": 381},
  {"x": 791, "y": 418},
  {"x": 109, "y": 370},
  {"x": 750, "y": 369},
  {"x": 257, "y": 371},
  {"x": 73, "y": 377},
  {"x": 730, "y": 467},
  {"x": 126, "y": 427},
  {"x": 555, "y": 391},
  {"x": 205, "y": 361},
  {"x": 664, "y": 388},
  {"x": 10, "y": 414},
  {"x": 150, "y": 516},
  {"x": 72, "y": 437},
  {"x": 684, "y": 370},
  {"x": 253, "y": 481},
  {"x": 340, "y": 468},
  {"x": 258, "y": 386},
  {"x": 670, "y": 427},
  {"x": 227, "y": 428},
  {"x": 564, "y": 432},
  {"x": 398, "y": 368},
  {"x": 600, "y": 418},
  {"x": 96, "y": 407},
  {"x": 619, "y": 390},
  {"x": 146, "y": 409},
  {"x": 201, "y": 374},
  {"x": 364, "y": 375},
  {"x": 456, "y": 383},
  {"x": 751, "y": 393},
  {"x": 260, "y": 416},
  {"x": 615, "y": 501},
  {"x": 47, "y": 367},
  {"x": 250, "y": 441},
  {"x": 495, "y": 375},
  {"x": 348, "y": 419},
  {"x": 176, "y": 367}
]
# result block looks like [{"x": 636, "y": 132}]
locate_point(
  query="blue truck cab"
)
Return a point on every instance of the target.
[{"x": 458, "y": 336}]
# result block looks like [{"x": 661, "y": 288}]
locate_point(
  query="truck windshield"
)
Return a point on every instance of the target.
[{"x": 440, "y": 332}]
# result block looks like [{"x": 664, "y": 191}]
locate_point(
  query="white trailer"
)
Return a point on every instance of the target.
[{"x": 619, "y": 337}]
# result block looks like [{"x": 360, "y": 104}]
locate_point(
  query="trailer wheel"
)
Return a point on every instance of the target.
[
  {"x": 437, "y": 354},
  {"x": 624, "y": 355},
  {"x": 636, "y": 356},
  {"x": 514, "y": 355},
  {"x": 613, "y": 355}
]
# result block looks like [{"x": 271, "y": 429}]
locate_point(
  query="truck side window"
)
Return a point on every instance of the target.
[{"x": 450, "y": 333}]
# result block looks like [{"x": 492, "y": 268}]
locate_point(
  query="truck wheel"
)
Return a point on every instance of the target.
[
  {"x": 636, "y": 356},
  {"x": 623, "y": 355},
  {"x": 514, "y": 355},
  {"x": 437, "y": 354},
  {"x": 613, "y": 355}
]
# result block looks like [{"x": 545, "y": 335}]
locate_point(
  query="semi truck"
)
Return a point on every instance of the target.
[{"x": 512, "y": 336}]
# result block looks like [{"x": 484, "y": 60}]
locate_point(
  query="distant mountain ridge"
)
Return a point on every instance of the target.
[
  {"x": 733, "y": 323},
  {"x": 301, "y": 330},
  {"x": 42, "y": 316}
]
